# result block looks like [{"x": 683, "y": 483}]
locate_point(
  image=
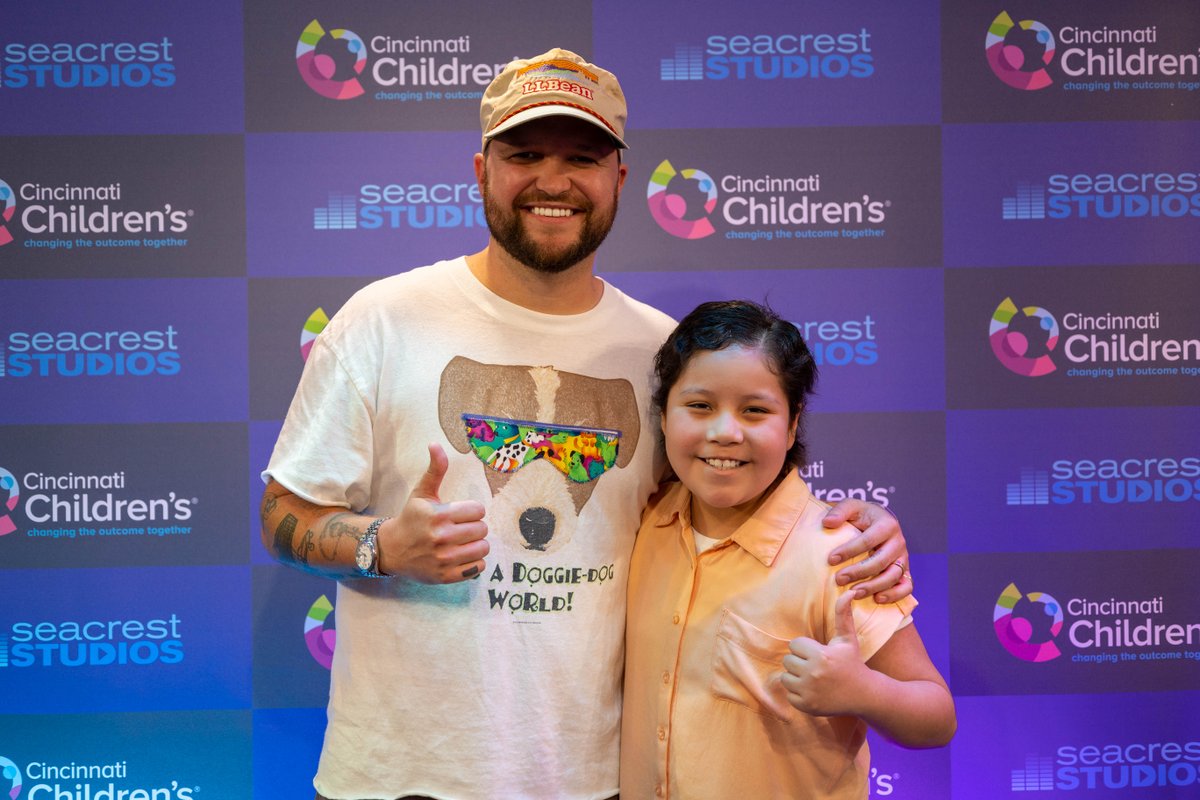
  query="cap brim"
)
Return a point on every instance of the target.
[{"x": 553, "y": 110}]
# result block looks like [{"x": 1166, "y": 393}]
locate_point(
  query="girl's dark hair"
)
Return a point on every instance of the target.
[{"x": 717, "y": 325}]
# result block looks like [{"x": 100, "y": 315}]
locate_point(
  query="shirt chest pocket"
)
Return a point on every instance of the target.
[{"x": 748, "y": 666}]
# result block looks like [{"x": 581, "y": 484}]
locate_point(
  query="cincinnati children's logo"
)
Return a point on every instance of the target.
[
  {"x": 670, "y": 209},
  {"x": 8, "y": 209},
  {"x": 330, "y": 62},
  {"x": 313, "y": 326},
  {"x": 1018, "y": 52},
  {"x": 11, "y": 774},
  {"x": 685, "y": 203},
  {"x": 10, "y": 497},
  {"x": 1028, "y": 629},
  {"x": 319, "y": 634},
  {"x": 1022, "y": 339},
  {"x": 1091, "y": 57}
]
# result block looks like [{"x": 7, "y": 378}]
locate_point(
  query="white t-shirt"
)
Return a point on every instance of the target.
[{"x": 507, "y": 685}]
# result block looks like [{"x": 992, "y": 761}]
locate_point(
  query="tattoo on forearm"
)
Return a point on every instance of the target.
[
  {"x": 305, "y": 547},
  {"x": 334, "y": 533},
  {"x": 269, "y": 503},
  {"x": 283, "y": 537}
]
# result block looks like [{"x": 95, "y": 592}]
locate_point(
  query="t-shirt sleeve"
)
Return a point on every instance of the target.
[{"x": 324, "y": 453}]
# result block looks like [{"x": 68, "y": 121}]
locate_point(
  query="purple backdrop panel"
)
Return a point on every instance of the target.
[
  {"x": 182, "y": 755},
  {"x": 876, "y": 334},
  {"x": 1074, "y": 623},
  {"x": 126, "y": 640},
  {"x": 362, "y": 65},
  {"x": 1073, "y": 479},
  {"x": 1084, "y": 193},
  {"x": 122, "y": 207},
  {"x": 775, "y": 198},
  {"x": 124, "y": 351},
  {"x": 1072, "y": 337},
  {"x": 286, "y": 316},
  {"x": 294, "y": 637},
  {"x": 262, "y": 442},
  {"x": 1058, "y": 60},
  {"x": 122, "y": 495},
  {"x": 898, "y": 773},
  {"x": 769, "y": 64},
  {"x": 147, "y": 68},
  {"x": 287, "y": 745},
  {"x": 360, "y": 204},
  {"x": 872, "y": 456},
  {"x": 1110, "y": 746}
]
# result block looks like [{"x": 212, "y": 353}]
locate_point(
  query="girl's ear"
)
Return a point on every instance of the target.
[{"x": 792, "y": 427}]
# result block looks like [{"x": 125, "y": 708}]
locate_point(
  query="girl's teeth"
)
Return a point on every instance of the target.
[{"x": 721, "y": 463}]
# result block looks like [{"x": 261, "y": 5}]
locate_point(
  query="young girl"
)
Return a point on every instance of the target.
[{"x": 744, "y": 666}]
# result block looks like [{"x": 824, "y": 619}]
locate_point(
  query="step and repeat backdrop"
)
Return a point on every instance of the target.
[{"x": 984, "y": 215}]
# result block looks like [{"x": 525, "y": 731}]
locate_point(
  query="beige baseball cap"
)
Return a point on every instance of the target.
[{"x": 557, "y": 82}]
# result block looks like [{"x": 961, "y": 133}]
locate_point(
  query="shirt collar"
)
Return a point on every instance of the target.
[{"x": 767, "y": 529}]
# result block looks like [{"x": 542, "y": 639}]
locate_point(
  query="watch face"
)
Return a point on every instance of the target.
[{"x": 363, "y": 556}]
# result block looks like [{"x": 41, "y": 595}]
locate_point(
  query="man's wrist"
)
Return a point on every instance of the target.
[{"x": 367, "y": 555}]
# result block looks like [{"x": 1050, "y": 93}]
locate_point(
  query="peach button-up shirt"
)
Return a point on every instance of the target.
[{"x": 705, "y": 712}]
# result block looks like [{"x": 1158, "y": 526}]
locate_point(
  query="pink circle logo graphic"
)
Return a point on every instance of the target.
[
  {"x": 1023, "y": 339},
  {"x": 669, "y": 209},
  {"x": 1029, "y": 637},
  {"x": 8, "y": 208},
  {"x": 330, "y": 62},
  {"x": 319, "y": 633},
  {"x": 1019, "y": 52},
  {"x": 9, "y": 487}
]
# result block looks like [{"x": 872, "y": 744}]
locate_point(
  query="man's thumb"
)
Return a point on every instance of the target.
[{"x": 431, "y": 482}]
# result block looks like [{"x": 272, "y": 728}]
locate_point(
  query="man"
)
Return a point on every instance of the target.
[{"x": 501, "y": 395}]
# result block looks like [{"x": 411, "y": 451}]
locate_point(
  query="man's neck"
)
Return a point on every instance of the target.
[{"x": 572, "y": 291}]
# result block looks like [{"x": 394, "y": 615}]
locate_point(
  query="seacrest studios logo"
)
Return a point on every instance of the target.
[
  {"x": 774, "y": 56},
  {"x": 127, "y": 642},
  {"x": 685, "y": 202},
  {"x": 1105, "y": 195},
  {"x": 102, "y": 65},
  {"x": 68, "y": 216},
  {"x": 1107, "y": 481},
  {"x": 128, "y": 353},
  {"x": 1036, "y": 627},
  {"x": 1108, "y": 765},
  {"x": 89, "y": 505},
  {"x": 56, "y": 778},
  {"x": 319, "y": 634},
  {"x": 342, "y": 65},
  {"x": 1097, "y": 345},
  {"x": 1088, "y": 57},
  {"x": 408, "y": 206}
]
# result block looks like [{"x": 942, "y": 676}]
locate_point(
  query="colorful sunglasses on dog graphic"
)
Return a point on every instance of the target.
[{"x": 505, "y": 445}]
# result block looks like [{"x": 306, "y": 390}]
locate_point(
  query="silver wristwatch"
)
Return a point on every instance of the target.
[{"x": 366, "y": 555}]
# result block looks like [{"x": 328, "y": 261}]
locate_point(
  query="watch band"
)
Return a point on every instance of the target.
[{"x": 367, "y": 554}]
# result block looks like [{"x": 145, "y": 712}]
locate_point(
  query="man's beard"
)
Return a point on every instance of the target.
[{"x": 508, "y": 229}]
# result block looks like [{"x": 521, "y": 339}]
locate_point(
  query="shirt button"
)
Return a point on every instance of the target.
[
  {"x": 675, "y": 620},
  {"x": 666, "y": 677},
  {"x": 658, "y": 790},
  {"x": 662, "y": 734}
]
